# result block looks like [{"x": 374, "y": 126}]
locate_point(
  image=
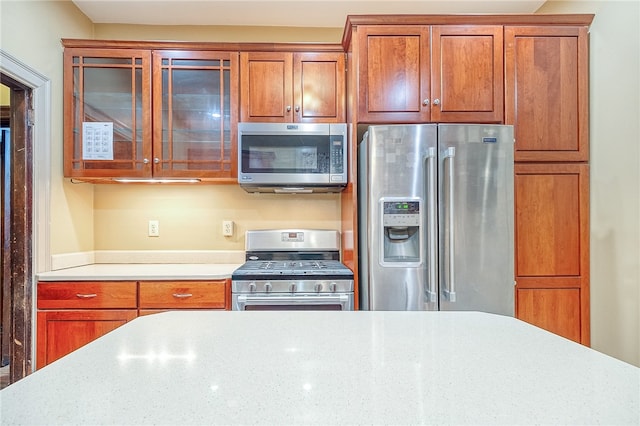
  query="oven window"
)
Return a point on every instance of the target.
[
  {"x": 285, "y": 154},
  {"x": 293, "y": 308}
]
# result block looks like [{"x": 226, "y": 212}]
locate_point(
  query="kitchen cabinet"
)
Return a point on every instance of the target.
[
  {"x": 173, "y": 112},
  {"x": 282, "y": 87},
  {"x": 72, "y": 314},
  {"x": 547, "y": 92},
  {"x": 552, "y": 247},
  {"x": 437, "y": 73},
  {"x": 158, "y": 296}
]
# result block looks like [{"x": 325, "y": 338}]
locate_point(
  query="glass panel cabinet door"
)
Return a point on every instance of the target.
[
  {"x": 195, "y": 114},
  {"x": 107, "y": 113}
]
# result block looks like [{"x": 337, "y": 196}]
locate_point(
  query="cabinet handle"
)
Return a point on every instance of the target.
[
  {"x": 86, "y": 296},
  {"x": 156, "y": 160},
  {"x": 288, "y": 108},
  {"x": 182, "y": 295},
  {"x": 425, "y": 102},
  {"x": 436, "y": 101}
]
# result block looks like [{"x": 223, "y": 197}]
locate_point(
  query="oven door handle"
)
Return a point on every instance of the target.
[{"x": 343, "y": 300}]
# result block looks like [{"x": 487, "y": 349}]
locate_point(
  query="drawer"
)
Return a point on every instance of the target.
[
  {"x": 182, "y": 294},
  {"x": 87, "y": 295}
]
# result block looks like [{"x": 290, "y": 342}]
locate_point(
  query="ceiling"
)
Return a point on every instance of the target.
[{"x": 298, "y": 13}]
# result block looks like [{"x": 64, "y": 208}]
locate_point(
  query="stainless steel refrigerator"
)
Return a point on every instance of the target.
[{"x": 436, "y": 214}]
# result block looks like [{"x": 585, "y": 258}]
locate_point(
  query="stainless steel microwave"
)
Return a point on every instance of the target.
[{"x": 292, "y": 157}]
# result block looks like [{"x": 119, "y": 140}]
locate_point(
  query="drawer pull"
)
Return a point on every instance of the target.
[
  {"x": 182, "y": 295},
  {"x": 86, "y": 296}
]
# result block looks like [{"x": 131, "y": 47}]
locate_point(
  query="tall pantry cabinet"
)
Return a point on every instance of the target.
[
  {"x": 546, "y": 99},
  {"x": 530, "y": 71}
]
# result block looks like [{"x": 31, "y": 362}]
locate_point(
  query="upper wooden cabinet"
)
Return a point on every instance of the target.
[
  {"x": 438, "y": 73},
  {"x": 171, "y": 114},
  {"x": 546, "y": 92},
  {"x": 292, "y": 87}
]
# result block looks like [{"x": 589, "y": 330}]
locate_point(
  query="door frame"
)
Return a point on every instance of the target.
[{"x": 40, "y": 170}]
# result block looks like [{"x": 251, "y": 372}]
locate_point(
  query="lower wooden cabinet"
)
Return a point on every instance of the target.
[
  {"x": 74, "y": 313},
  {"x": 62, "y": 332},
  {"x": 159, "y": 296},
  {"x": 552, "y": 247}
]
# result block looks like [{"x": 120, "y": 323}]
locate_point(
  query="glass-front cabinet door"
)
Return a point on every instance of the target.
[
  {"x": 107, "y": 113},
  {"x": 195, "y": 114}
]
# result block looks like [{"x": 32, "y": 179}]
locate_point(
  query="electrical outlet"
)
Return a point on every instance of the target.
[
  {"x": 154, "y": 228},
  {"x": 227, "y": 228}
]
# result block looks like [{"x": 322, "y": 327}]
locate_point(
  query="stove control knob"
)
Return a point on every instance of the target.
[
  {"x": 318, "y": 287},
  {"x": 268, "y": 287},
  {"x": 252, "y": 287},
  {"x": 333, "y": 287},
  {"x": 292, "y": 288}
]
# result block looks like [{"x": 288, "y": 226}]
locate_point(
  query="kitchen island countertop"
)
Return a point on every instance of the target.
[
  {"x": 142, "y": 271},
  {"x": 327, "y": 368}
]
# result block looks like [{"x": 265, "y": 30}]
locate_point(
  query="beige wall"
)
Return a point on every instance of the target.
[
  {"x": 31, "y": 31},
  {"x": 615, "y": 178}
]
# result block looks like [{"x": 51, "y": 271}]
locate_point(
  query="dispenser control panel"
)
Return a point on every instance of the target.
[{"x": 401, "y": 213}]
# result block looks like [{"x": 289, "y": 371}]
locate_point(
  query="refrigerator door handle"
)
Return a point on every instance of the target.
[
  {"x": 450, "y": 289},
  {"x": 431, "y": 168}
]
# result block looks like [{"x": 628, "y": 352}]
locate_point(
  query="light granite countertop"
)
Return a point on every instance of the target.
[
  {"x": 327, "y": 368},
  {"x": 142, "y": 271}
]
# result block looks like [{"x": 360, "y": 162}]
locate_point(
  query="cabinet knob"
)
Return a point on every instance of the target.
[
  {"x": 436, "y": 101},
  {"x": 288, "y": 108},
  {"x": 297, "y": 108},
  {"x": 145, "y": 161},
  {"x": 156, "y": 160},
  {"x": 425, "y": 102}
]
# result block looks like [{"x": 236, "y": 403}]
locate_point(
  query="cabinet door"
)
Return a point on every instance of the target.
[
  {"x": 107, "y": 113},
  {"x": 467, "y": 74},
  {"x": 195, "y": 98},
  {"x": 393, "y": 71},
  {"x": 61, "y": 332},
  {"x": 266, "y": 86},
  {"x": 319, "y": 87},
  {"x": 552, "y": 246},
  {"x": 546, "y": 92},
  {"x": 183, "y": 294}
]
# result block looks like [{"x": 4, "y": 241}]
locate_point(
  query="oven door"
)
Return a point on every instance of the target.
[{"x": 292, "y": 302}]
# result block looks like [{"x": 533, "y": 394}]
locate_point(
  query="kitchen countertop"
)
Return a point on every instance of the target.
[
  {"x": 142, "y": 271},
  {"x": 327, "y": 368}
]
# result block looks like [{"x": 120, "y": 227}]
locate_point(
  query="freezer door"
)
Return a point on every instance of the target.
[
  {"x": 395, "y": 162},
  {"x": 476, "y": 215}
]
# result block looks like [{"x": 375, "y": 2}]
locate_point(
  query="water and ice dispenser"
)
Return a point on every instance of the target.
[{"x": 401, "y": 232}]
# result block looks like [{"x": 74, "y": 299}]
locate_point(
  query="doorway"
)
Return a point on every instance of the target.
[{"x": 17, "y": 232}]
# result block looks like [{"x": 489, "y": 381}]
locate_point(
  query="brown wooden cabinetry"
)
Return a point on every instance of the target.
[
  {"x": 157, "y": 296},
  {"x": 552, "y": 247},
  {"x": 547, "y": 92},
  {"x": 292, "y": 87},
  {"x": 546, "y": 99},
  {"x": 72, "y": 314},
  {"x": 173, "y": 112},
  {"x": 439, "y": 73}
]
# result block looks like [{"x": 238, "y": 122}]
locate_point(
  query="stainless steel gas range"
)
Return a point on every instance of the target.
[{"x": 292, "y": 269}]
